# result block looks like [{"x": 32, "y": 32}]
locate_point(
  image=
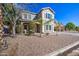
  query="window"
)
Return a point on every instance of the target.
[
  {"x": 29, "y": 16},
  {"x": 25, "y": 16},
  {"x": 48, "y": 15},
  {"x": 46, "y": 27},
  {"x": 49, "y": 27}
]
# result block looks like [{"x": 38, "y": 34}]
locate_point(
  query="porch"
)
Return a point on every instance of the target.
[{"x": 28, "y": 26}]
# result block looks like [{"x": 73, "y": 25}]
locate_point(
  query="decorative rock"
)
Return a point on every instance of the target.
[
  {"x": 77, "y": 51},
  {"x": 3, "y": 54},
  {"x": 73, "y": 54}
]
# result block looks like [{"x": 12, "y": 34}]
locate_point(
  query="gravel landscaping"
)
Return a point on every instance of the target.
[{"x": 37, "y": 46}]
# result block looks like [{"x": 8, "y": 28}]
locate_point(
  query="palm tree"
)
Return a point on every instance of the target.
[
  {"x": 3, "y": 43},
  {"x": 1, "y": 26}
]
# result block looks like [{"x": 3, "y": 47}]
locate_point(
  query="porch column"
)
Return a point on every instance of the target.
[
  {"x": 53, "y": 26},
  {"x": 22, "y": 27}
]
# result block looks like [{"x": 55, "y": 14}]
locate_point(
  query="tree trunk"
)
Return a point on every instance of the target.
[
  {"x": 1, "y": 27},
  {"x": 14, "y": 31}
]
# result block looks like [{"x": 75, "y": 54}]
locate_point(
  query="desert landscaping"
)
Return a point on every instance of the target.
[
  {"x": 24, "y": 32},
  {"x": 37, "y": 46}
]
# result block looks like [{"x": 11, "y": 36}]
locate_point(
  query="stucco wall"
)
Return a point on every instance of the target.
[
  {"x": 28, "y": 15},
  {"x": 45, "y": 20}
]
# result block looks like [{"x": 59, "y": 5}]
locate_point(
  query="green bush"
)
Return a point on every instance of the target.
[
  {"x": 77, "y": 28},
  {"x": 31, "y": 28}
]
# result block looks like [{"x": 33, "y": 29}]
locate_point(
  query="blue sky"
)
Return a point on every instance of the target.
[{"x": 64, "y": 12}]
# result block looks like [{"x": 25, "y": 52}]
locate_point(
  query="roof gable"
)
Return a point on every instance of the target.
[{"x": 47, "y": 8}]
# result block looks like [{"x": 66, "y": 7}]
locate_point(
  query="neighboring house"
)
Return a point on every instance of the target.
[
  {"x": 45, "y": 14},
  {"x": 58, "y": 26}
]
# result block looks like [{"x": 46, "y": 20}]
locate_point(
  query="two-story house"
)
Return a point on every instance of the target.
[
  {"x": 26, "y": 17},
  {"x": 47, "y": 16}
]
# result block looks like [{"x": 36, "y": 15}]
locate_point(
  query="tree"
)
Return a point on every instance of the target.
[
  {"x": 40, "y": 21},
  {"x": 59, "y": 27},
  {"x": 31, "y": 27},
  {"x": 77, "y": 28},
  {"x": 3, "y": 43},
  {"x": 70, "y": 26},
  {"x": 11, "y": 15},
  {"x": 27, "y": 6},
  {"x": 1, "y": 27}
]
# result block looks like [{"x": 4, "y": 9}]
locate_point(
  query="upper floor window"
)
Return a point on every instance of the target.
[
  {"x": 25, "y": 16},
  {"x": 49, "y": 27},
  {"x": 46, "y": 27},
  {"x": 49, "y": 16},
  {"x": 29, "y": 16}
]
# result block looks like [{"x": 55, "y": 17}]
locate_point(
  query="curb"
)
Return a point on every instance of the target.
[{"x": 60, "y": 51}]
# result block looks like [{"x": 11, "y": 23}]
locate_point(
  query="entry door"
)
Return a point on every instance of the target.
[
  {"x": 26, "y": 27},
  {"x": 38, "y": 28}
]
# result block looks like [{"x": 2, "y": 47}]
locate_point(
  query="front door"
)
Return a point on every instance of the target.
[
  {"x": 37, "y": 28},
  {"x": 26, "y": 27}
]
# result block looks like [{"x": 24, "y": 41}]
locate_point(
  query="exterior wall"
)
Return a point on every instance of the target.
[
  {"x": 42, "y": 15},
  {"x": 52, "y": 28},
  {"x": 27, "y": 16},
  {"x": 45, "y": 20}
]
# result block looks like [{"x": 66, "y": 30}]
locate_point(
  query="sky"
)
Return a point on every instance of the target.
[{"x": 64, "y": 12}]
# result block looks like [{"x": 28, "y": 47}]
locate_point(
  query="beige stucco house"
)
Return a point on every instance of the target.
[{"x": 46, "y": 15}]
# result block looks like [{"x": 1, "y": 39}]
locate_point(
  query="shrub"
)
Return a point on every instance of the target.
[{"x": 77, "y": 28}]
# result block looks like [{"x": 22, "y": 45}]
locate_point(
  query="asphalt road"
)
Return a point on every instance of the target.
[{"x": 68, "y": 33}]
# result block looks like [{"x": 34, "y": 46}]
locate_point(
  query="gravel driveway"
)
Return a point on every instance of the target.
[{"x": 38, "y": 46}]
